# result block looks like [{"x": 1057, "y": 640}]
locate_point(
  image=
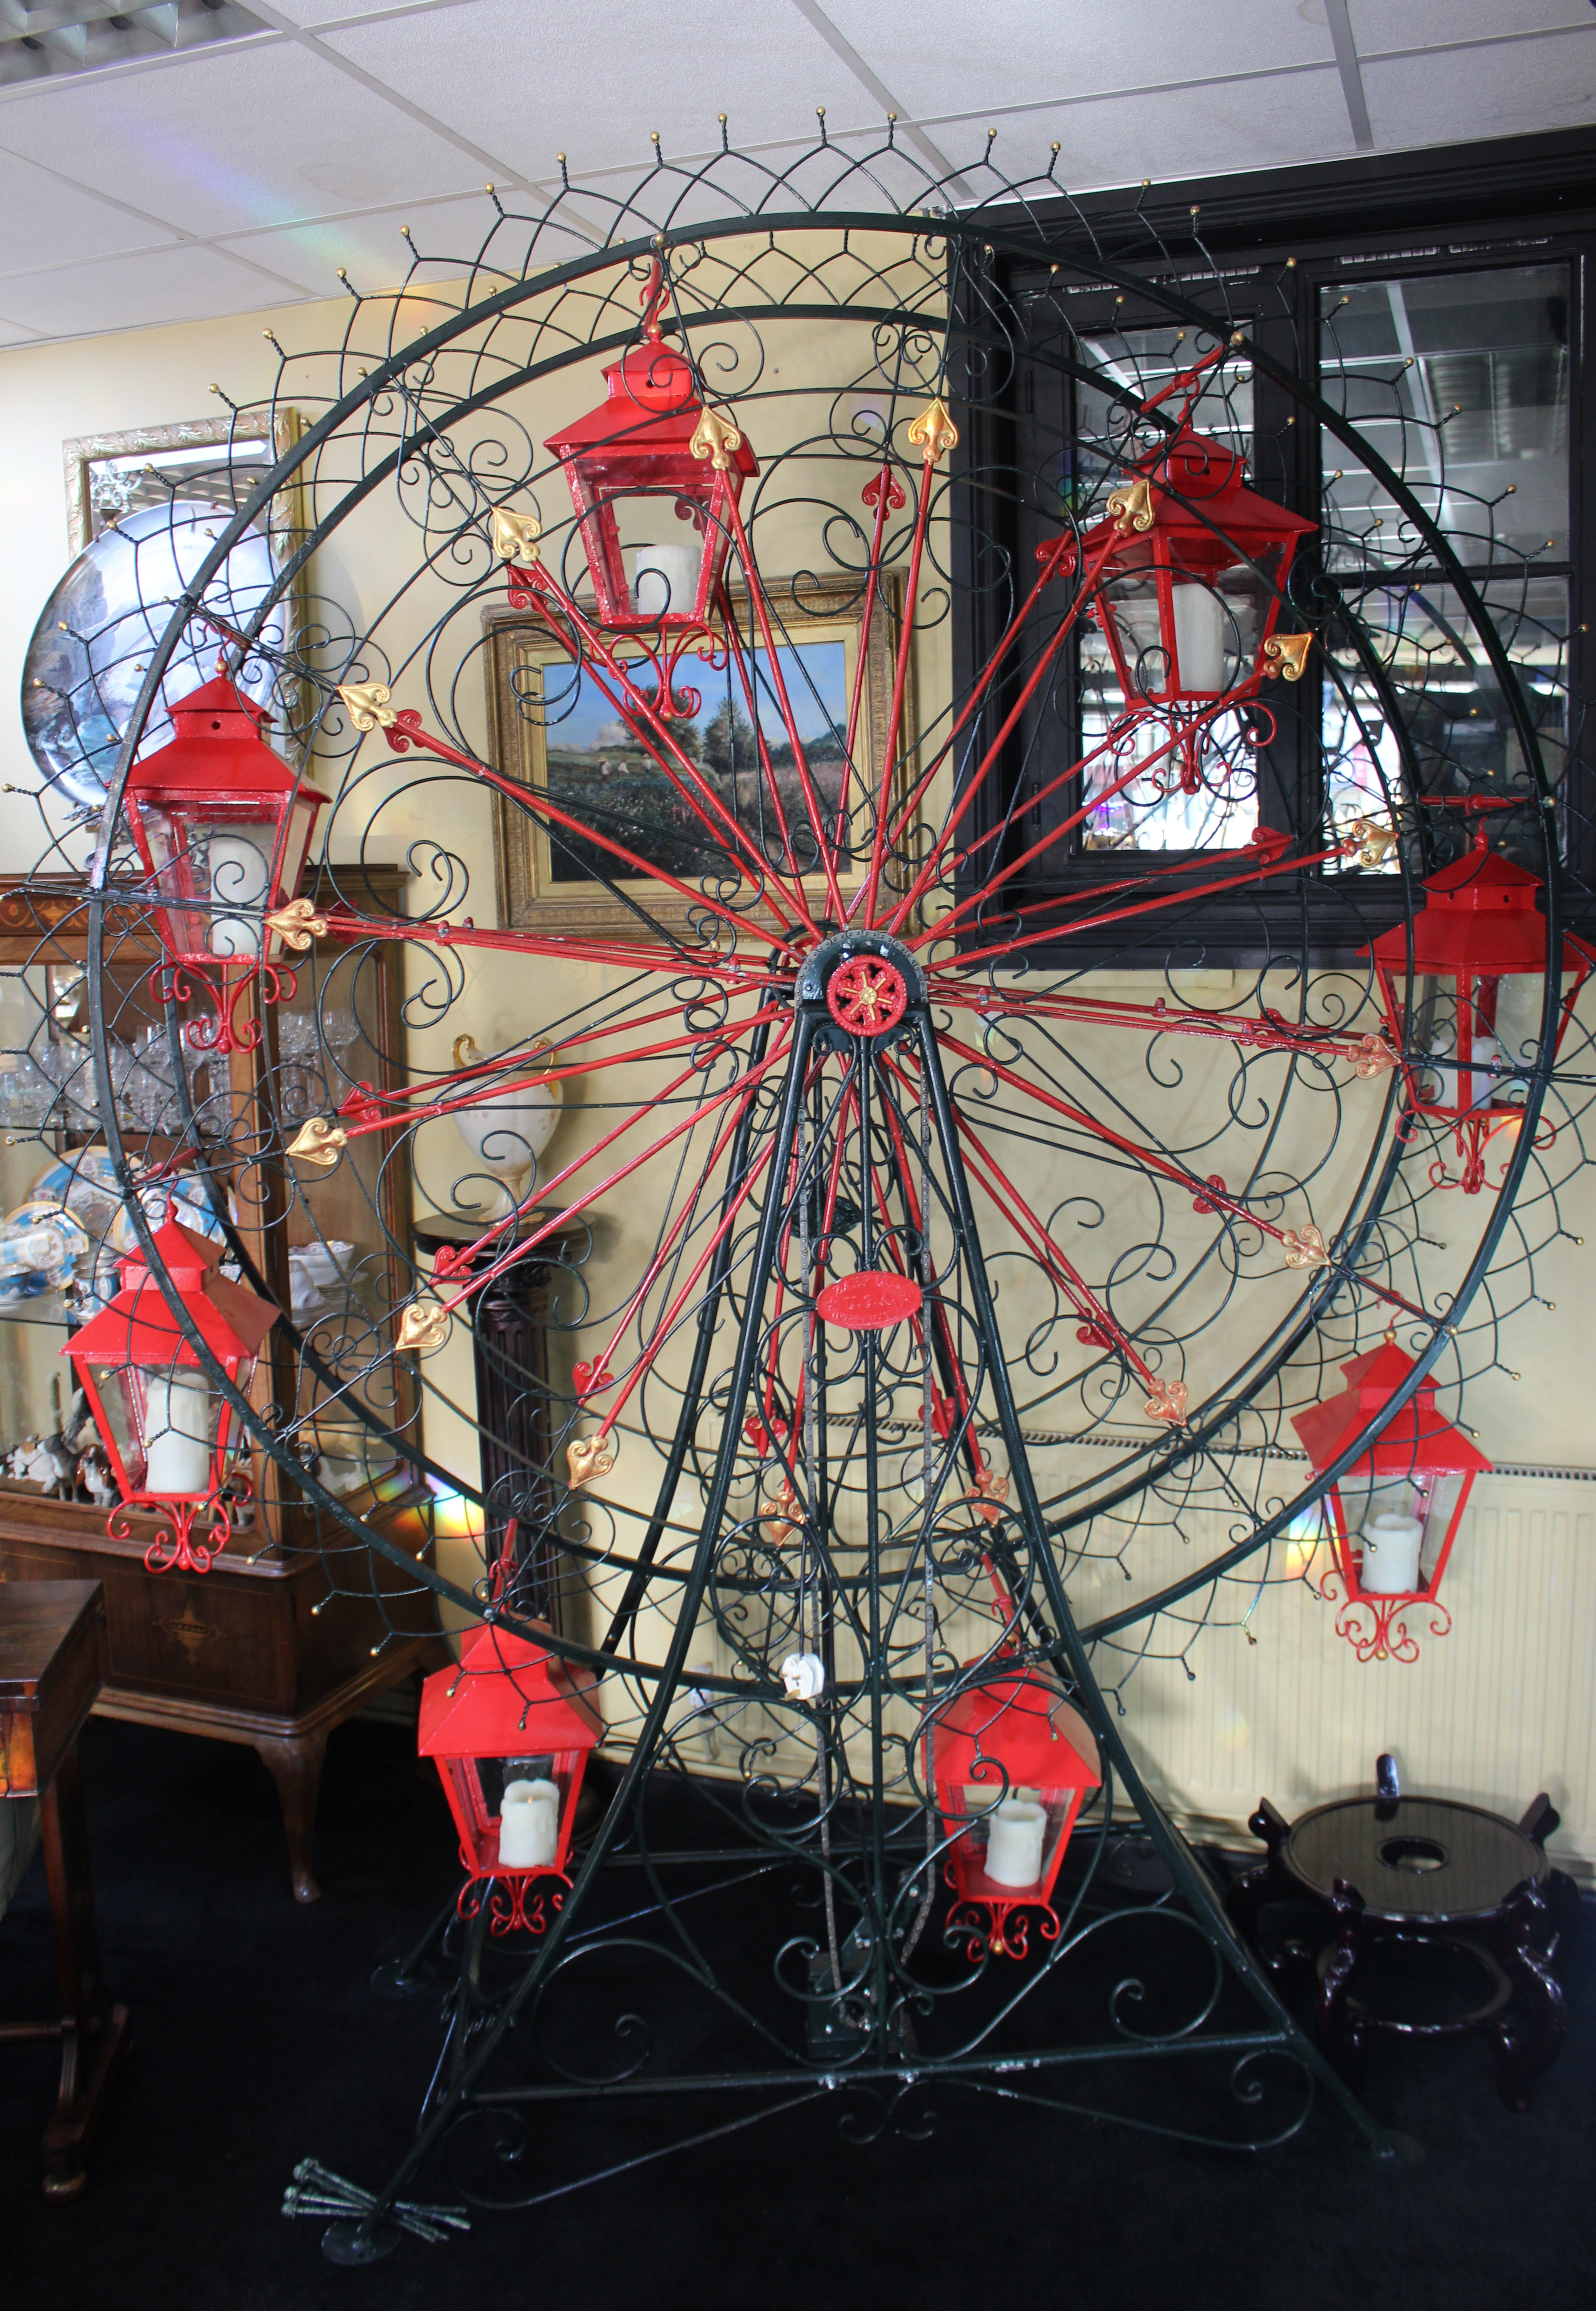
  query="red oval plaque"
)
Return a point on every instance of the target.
[{"x": 868, "y": 1300}]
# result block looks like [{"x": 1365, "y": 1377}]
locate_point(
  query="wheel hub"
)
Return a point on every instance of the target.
[{"x": 865, "y": 980}]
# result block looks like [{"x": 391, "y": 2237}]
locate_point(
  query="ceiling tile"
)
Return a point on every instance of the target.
[
  {"x": 1377, "y": 27},
  {"x": 1113, "y": 141},
  {"x": 167, "y": 285},
  {"x": 328, "y": 12},
  {"x": 12, "y": 332},
  {"x": 257, "y": 135},
  {"x": 1518, "y": 88},
  {"x": 592, "y": 82},
  {"x": 949, "y": 56},
  {"x": 448, "y": 235},
  {"x": 50, "y": 222}
]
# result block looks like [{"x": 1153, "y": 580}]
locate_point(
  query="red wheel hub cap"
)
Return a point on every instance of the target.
[{"x": 867, "y": 995}]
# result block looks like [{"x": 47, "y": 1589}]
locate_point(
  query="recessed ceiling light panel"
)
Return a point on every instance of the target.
[{"x": 42, "y": 39}]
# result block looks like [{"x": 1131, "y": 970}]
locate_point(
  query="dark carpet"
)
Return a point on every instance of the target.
[{"x": 257, "y": 2038}]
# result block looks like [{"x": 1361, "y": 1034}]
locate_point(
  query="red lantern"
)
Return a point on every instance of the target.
[
  {"x": 171, "y": 1436},
  {"x": 1196, "y": 564},
  {"x": 222, "y": 825},
  {"x": 1396, "y": 1511},
  {"x": 1012, "y": 1761},
  {"x": 1479, "y": 987},
  {"x": 512, "y": 1728},
  {"x": 650, "y": 454}
]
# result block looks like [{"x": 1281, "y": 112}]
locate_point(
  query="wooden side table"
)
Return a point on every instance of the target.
[{"x": 52, "y": 1661}]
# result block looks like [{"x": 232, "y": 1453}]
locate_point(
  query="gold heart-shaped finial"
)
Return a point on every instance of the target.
[
  {"x": 1132, "y": 506},
  {"x": 934, "y": 432},
  {"x": 420, "y": 1327},
  {"x": 515, "y": 537},
  {"x": 319, "y": 1140},
  {"x": 586, "y": 1457},
  {"x": 714, "y": 439},
  {"x": 368, "y": 704},
  {"x": 1305, "y": 1247},
  {"x": 1287, "y": 655},
  {"x": 297, "y": 924}
]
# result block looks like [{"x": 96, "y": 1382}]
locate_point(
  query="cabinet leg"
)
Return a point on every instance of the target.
[
  {"x": 94, "y": 2031},
  {"x": 296, "y": 1768}
]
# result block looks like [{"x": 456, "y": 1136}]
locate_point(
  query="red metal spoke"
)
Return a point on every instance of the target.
[
  {"x": 758, "y": 1164},
  {"x": 474, "y": 1091},
  {"x": 665, "y": 953},
  {"x": 885, "y": 492},
  {"x": 866, "y": 898},
  {"x": 404, "y": 732},
  {"x": 1065, "y": 827},
  {"x": 1368, "y": 1054},
  {"x": 1298, "y": 1244},
  {"x": 994, "y": 665},
  {"x": 779, "y": 684},
  {"x": 1145, "y": 907},
  {"x": 735, "y": 651},
  {"x": 525, "y": 1244},
  {"x": 978, "y": 776}
]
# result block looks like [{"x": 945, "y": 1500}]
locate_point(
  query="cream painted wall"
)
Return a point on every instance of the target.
[{"x": 1499, "y": 1708}]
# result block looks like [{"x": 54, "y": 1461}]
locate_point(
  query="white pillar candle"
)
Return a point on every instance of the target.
[
  {"x": 1014, "y": 1831},
  {"x": 1199, "y": 637},
  {"x": 1391, "y": 1556},
  {"x": 665, "y": 577},
  {"x": 529, "y": 1824},
  {"x": 241, "y": 866},
  {"x": 177, "y": 1434}
]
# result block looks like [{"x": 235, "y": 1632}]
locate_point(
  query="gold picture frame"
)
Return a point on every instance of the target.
[
  {"x": 90, "y": 459},
  {"x": 518, "y": 647}
]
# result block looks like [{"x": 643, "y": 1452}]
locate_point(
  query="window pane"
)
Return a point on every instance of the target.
[
  {"x": 1460, "y": 382},
  {"x": 1177, "y": 803},
  {"x": 1452, "y": 703}
]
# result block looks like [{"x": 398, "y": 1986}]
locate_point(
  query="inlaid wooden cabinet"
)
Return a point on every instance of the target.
[{"x": 295, "y": 1627}]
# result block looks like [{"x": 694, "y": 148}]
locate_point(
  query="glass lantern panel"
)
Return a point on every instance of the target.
[
  {"x": 661, "y": 536},
  {"x": 1437, "y": 1509},
  {"x": 182, "y": 878},
  {"x": 121, "y": 1411},
  {"x": 1012, "y": 1834},
  {"x": 176, "y": 1413},
  {"x": 238, "y": 868},
  {"x": 529, "y": 1798},
  {"x": 1389, "y": 1495}
]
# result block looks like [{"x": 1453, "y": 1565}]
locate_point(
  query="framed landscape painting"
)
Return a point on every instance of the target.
[{"x": 554, "y": 729}]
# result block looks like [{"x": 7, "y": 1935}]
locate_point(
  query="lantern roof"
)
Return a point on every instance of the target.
[
  {"x": 137, "y": 1327},
  {"x": 650, "y": 407},
  {"x": 1194, "y": 484},
  {"x": 1020, "y": 1722},
  {"x": 1420, "y": 1440},
  {"x": 507, "y": 1697},
  {"x": 217, "y": 754},
  {"x": 1480, "y": 915}
]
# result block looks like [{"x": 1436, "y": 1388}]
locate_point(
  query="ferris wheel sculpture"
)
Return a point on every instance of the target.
[{"x": 926, "y": 1204}]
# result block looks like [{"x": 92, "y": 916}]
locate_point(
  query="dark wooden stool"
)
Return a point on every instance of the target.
[
  {"x": 52, "y": 1661},
  {"x": 1427, "y": 1886}
]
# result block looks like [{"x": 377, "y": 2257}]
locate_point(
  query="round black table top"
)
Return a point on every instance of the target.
[{"x": 1413, "y": 1860}]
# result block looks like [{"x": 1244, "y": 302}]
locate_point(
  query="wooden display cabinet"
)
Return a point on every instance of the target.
[{"x": 269, "y": 1647}]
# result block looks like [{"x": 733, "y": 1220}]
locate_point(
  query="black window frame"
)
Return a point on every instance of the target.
[{"x": 1513, "y": 201}]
